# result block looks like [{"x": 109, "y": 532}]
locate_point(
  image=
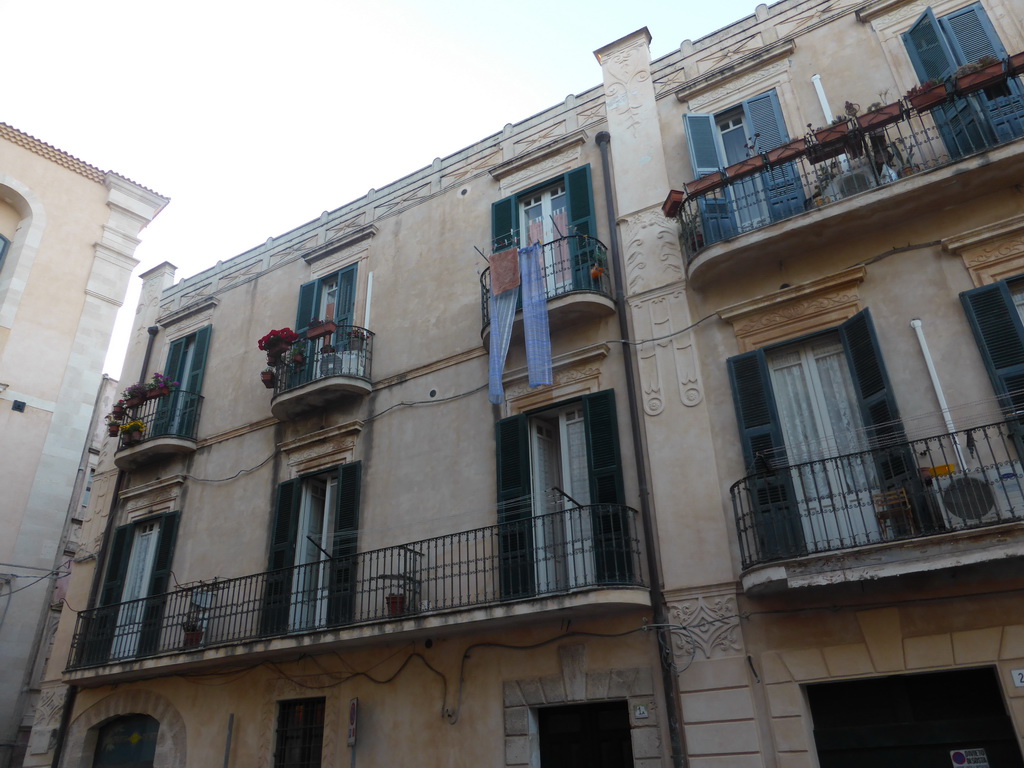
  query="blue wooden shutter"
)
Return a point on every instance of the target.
[
  {"x": 341, "y": 573},
  {"x": 277, "y": 594},
  {"x": 504, "y": 224},
  {"x": 515, "y": 508},
  {"x": 783, "y": 189},
  {"x": 959, "y": 122},
  {"x": 611, "y": 522},
  {"x": 971, "y": 36},
  {"x": 702, "y": 144},
  {"x": 159, "y": 584},
  {"x": 774, "y": 523}
]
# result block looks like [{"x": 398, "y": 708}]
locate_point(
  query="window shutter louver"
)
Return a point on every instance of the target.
[
  {"x": 307, "y": 303},
  {"x": 117, "y": 565},
  {"x": 929, "y": 52},
  {"x": 345, "y": 309},
  {"x": 581, "y": 202},
  {"x": 701, "y": 143},
  {"x": 970, "y": 34},
  {"x": 763, "y": 115},
  {"x": 341, "y": 573},
  {"x": 610, "y": 520},
  {"x": 515, "y": 510},
  {"x": 159, "y": 583},
  {"x": 282, "y": 557},
  {"x": 999, "y": 332},
  {"x": 773, "y": 522},
  {"x": 504, "y": 224},
  {"x": 100, "y": 636}
]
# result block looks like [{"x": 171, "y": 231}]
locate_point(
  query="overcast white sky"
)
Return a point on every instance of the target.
[{"x": 255, "y": 117}]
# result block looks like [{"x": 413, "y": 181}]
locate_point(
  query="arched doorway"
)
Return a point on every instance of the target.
[{"x": 127, "y": 742}]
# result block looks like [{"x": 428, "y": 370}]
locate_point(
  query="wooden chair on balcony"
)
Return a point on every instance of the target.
[{"x": 894, "y": 513}]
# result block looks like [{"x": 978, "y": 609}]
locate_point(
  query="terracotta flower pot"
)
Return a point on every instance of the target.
[
  {"x": 788, "y": 151},
  {"x": 705, "y": 184},
  {"x": 133, "y": 437},
  {"x": 832, "y": 133},
  {"x": 192, "y": 638},
  {"x": 324, "y": 329},
  {"x": 746, "y": 167},
  {"x": 1015, "y": 64},
  {"x": 113, "y": 429},
  {"x": 395, "y": 604},
  {"x": 134, "y": 402},
  {"x": 117, "y": 412},
  {"x": 269, "y": 378}
]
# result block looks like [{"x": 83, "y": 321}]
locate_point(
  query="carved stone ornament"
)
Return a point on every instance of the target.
[
  {"x": 653, "y": 258},
  {"x": 576, "y": 373},
  {"x": 407, "y": 198},
  {"x": 626, "y": 69},
  {"x": 322, "y": 449},
  {"x": 480, "y": 165},
  {"x": 991, "y": 253},
  {"x": 348, "y": 225},
  {"x": 792, "y": 312},
  {"x": 671, "y": 358},
  {"x": 591, "y": 113},
  {"x": 727, "y": 92},
  {"x": 158, "y": 496},
  {"x": 712, "y": 626}
]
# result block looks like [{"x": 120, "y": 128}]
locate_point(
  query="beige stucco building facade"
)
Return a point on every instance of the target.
[
  {"x": 68, "y": 232},
  {"x": 766, "y": 510}
]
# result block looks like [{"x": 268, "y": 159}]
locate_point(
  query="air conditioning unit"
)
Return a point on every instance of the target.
[
  {"x": 988, "y": 496},
  {"x": 853, "y": 183}
]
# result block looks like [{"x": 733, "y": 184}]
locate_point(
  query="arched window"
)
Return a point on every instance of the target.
[{"x": 127, "y": 742}]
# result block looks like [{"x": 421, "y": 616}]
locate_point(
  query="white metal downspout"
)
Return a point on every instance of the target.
[
  {"x": 947, "y": 417},
  {"x": 822, "y": 99}
]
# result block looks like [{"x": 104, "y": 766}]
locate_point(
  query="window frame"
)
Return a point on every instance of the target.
[{"x": 283, "y": 729}]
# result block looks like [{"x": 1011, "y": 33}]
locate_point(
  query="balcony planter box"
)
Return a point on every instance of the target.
[
  {"x": 705, "y": 184},
  {"x": 819, "y": 153},
  {"x": 929, "y": 99},
  {"x": 983, "y": 78},
  {"x": 879, "y": 118},
  {"x": 268, "y": 378},
  {"x": 833, "y": 133},
  {"x": 787, "y": 152},
  {"x": 117, "y": 411},
  {"x": 1015, "y": 64},
  {"x": 324, "y": 329},
  {"x": 132, "y": 438},
  {"x": 746, "y": 167},
  {"x": 113, "y": 429},
  {"x": 134, "y": 402}
]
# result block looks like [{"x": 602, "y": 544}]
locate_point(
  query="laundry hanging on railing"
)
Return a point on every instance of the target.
[
  {"x": 535, "y": 316},
  {"x": 505, "y": 282},
  {"x": 504, "y": 296}
]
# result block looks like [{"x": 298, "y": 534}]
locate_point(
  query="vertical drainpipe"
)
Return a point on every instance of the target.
[
  {"x": 661, "y": 618},
  {"x": 153, "y": 330}
]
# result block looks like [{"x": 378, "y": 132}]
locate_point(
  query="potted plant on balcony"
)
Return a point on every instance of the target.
[
  {"x": 985, "y": 72},
  {"x": 837, "y": 130},
  {"x": 134, "y": 395},
  {"x": 786, "y": 152},
  {"x": 319, "y": 328},
  {"x": 276, "y": 342},
  {"x": 131, "y": 432},
  {"x": 296, "y": 356},
  {"x": 118, "y": 411},
  {"x": 706, "y": 183},
  {"x": 113, "y": 426},
  {"x": 160, "y": 386},
  {"x": 927, "y": 95},
  {"x": 269, "y": 377},
  {"x": 355, "y": 339},
  {"x": 1015, "y": 64}
]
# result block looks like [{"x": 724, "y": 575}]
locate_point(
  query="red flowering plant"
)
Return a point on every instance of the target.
[{"x": 282, "y": 337}]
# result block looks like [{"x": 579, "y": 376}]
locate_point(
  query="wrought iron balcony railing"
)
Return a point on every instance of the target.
[
  {"x": 577, "y": 263},
  {"x": 173, "y": 415},
  {"x": 346, "y": 352},
  {"x": 588, "y": 547},
  {"x": 863, "y": 154},
  {"x": 950, "y": 482}
]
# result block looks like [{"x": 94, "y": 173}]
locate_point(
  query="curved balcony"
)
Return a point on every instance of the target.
[
  {"x": 895, "y": 509},
  {"x": 168, "y": 429},
  {"x": 896, "y": 163},
  {"x": 337, "y": 367},
  {"x": 577, "y": 284},
  {"x": 576, "y": 562}
]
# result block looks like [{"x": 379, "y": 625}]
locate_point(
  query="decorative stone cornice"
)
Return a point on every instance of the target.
[
  {"x": 744, "y": 66},
  {"x": 991, "y": 253},
  {"x": 879, "y": 8},
  {"x": 527, "y": 159},
  {"x": 575, "y": 373},
  {"x": 322, "y": 449},
  {"x": 347, "y": 240},
  {"x": 204, "y": 306},
  {"x": 158, "y": 495},
  {"x": 792, "y": 312},
  {"x": 51, "y": 153}
]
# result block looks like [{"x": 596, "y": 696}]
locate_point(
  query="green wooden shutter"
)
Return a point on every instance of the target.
[
  {"x": 580, "y": 205},
  {"x": 702, "y": 144},
  {"x": 100, "y": 633},
  {"x": 999, "y": 332},
  {"x": 167, "y": 406},
  {"x": 197, "y": 370},
  {"x": 277, "y": 593},
  {"x": 611, "y": 522},
  {"x": 770, "y": 526},
  {"x": 175, "y": 358},
  {"x": 515, "y": 508},
  {"x": 345, "y": 308},
  {"x": 342, "y": 569},
  {"x": 159, "y": 583},
  {"x": 185, "y": 401},
  {"x": 504, "y": 224},
  {"x": 307, "y": 307}
]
